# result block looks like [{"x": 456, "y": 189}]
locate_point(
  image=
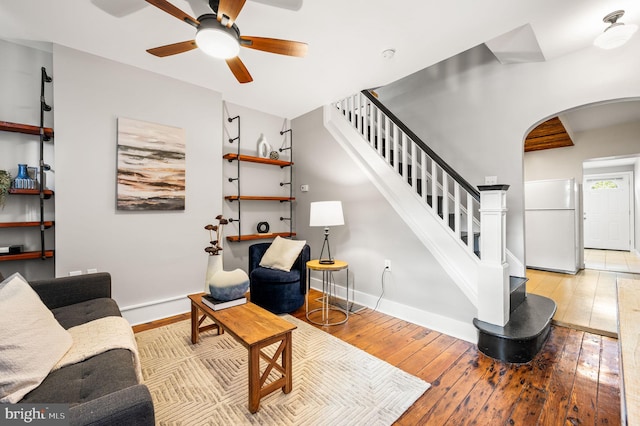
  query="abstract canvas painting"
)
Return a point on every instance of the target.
[{"x": 151, "y": 166}]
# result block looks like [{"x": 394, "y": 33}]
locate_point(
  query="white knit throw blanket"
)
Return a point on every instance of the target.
[{"x": 98, "y": 336}]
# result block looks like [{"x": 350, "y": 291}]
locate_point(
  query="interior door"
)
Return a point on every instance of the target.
[{"x": 607, "y": 211}]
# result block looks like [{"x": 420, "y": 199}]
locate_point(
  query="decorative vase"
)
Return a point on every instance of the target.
[
  {"x": 214, "y": 265},
  {"x": 224, "y": 285},
  {"x": 263, "y": 147},
  {"x": 22, "y": 172}
]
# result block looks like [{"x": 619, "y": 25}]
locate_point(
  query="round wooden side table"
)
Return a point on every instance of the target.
[{"x": 328, "y": 291}]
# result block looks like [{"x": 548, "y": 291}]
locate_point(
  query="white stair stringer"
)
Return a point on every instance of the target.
[{"x": 460, "y": 263}]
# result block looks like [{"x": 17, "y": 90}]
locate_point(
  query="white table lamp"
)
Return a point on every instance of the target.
[{"x": 326, "y": 213}]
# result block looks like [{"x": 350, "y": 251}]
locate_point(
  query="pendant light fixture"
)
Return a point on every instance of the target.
[{"x": 616, "y": 34}]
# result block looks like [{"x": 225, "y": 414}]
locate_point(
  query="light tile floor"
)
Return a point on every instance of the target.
[
  {"x": 612, "y": 260},
  {"x": 587, "y": 300}
]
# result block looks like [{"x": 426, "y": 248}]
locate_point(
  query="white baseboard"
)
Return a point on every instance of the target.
[
  {"x": 160, "y": 309},
  {"x": 156, "y": 309},
  {"x": 436, "y": 322}
]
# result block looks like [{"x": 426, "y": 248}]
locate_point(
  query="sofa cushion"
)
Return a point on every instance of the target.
[
  {"x": 31, "y": 340},
  {"x": 95, "y": 377},
  {"x": 80, "y": 313},
  {"x": 282, "y": 253}
]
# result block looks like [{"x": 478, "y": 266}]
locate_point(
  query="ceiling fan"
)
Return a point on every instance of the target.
[{"x": 217, "y": 35}]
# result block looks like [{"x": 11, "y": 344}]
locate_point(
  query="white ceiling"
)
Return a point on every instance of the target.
[{"x": 346, "y": 39}]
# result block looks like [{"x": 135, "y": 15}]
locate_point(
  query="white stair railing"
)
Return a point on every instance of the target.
[{"x": 445, "y": 192}]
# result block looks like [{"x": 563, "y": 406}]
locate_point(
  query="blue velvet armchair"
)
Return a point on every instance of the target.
[{"x": 277, "y": 291}]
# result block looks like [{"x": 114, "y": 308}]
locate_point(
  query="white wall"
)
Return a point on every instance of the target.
[
  {"x": 153, "y": 256},
  {"x": 561, "y": 163},
  {"x": 636, "y": 189},
  {"x": 417, "y": 289},
  {"x": 564, "y": 163},
  {"x": 20, "y": 103},
  {"x": 475, "y": 112}
]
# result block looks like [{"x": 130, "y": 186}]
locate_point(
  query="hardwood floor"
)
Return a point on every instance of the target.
[
  {"x": 573, "y": 380},
  {"x": 586, "y": 301}
]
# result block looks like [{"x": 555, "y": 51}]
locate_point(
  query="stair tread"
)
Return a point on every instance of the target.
[{"x": 526, "y": 322}]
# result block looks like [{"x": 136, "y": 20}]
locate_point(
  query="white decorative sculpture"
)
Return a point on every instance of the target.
[{"x": 264, "y": 149}]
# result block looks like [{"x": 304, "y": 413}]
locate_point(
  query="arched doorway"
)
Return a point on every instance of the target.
[{"x": 603, "y": 135}]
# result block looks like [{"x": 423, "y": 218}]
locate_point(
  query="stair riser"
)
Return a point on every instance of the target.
[
  {"x": 517, "y": 296},
  {"x": 517, "y": 291},
  {"x": 514, "y": 351}
]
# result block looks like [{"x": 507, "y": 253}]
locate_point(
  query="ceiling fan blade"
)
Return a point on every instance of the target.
[
  {"x": 172, "y": 10},
  {"x": 173, "y": 49},
  {"x": 239, "y": 70},
  {"x": 274, "y": 45},
  {"x": 230, "y": 8}
]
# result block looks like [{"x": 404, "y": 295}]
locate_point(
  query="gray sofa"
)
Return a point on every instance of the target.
[{"x": 102, "y": 390}]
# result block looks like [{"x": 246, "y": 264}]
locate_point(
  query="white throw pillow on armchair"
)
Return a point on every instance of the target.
[{"x": 282, "y": 253}]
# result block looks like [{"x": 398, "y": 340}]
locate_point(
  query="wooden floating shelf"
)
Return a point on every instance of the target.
[
  {"x": 257, "y": 198},
  {"x": 47, "y": 192},
  {"x": 231, "y": 157},
  {"x": 24, "y": 128},
  {"x": 249, "y": 237},
  {"x": 47, "y": 224},
  {"x": 27, "y": 255}
]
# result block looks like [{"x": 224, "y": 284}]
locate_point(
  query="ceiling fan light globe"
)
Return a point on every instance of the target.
[
  {"x": 217, "y": 42},
  {"x": 615, "y": 36}
]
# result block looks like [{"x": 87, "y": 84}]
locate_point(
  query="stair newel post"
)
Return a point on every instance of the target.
[{"x": 493, "y": 282}]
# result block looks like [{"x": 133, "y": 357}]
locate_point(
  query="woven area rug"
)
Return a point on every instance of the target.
[{"x": 334, "y": 383}]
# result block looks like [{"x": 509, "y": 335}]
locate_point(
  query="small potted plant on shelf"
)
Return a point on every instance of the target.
[{"x": 5, "y": 185}]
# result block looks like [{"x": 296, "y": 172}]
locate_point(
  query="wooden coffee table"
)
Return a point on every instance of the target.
[{"x": 255, "y": 328}]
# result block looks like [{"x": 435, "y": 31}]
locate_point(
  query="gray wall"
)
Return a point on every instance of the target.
[
  {"x": 372, "y": 233},
  {"x": 255, "y": 179},
  {"x": 20, "y": 103},
  {"x": 153, "y": 256},
  {"x": 475, "y": 112}
]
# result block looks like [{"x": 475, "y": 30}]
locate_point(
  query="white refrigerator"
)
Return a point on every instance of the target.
[{"x": 553, "y": 225}]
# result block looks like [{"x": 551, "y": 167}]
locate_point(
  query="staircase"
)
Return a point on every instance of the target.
[
  {"x": 529, "y": 324},
  {"x": 444, "y": 210}
]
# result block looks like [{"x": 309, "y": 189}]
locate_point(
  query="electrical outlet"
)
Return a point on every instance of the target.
[
  {"x": 304, "y": 188},
  {"x": 387, "y": 264},
  {"x": 92, "y": 271},
  {"x": 75, "y": 273},
  {"x": 491, "y": 180}
]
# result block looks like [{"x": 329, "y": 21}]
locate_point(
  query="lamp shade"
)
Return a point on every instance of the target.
[{"x": 326, "y": 213}]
